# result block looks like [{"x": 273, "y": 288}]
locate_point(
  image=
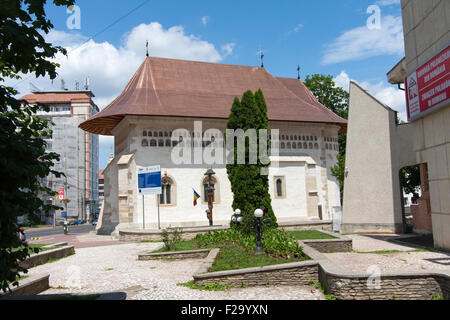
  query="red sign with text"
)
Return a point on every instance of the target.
[
  {"x": 429, "y": 86},
  {"x": 61, "y": 194}
]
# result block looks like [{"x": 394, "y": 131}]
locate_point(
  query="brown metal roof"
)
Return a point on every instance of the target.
[{"x": 179, "y": 88}]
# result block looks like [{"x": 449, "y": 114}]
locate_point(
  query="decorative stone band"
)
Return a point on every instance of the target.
[
  {"x": 189, "y": 233},
  {"x": 43, "y": 257},
  {"x": 300, "y": 273},
  {"x": 189, "y": 254},
  {"x": 340, "y": 244}
]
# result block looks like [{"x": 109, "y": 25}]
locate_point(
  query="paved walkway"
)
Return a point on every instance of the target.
[
  {"x": 116, "y": 268},
  {"x": 79, "y": 241},
  {"x": 405, "y": 260}
]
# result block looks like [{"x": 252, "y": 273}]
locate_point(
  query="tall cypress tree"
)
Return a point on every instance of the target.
[{"x": 250, "y": 188}]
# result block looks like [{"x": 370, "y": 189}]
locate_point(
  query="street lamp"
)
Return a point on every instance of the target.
[
  {"x": 258, "y": 214},
  {"x": 237, "y": 218},
  {"x": 210, "y": 194}
]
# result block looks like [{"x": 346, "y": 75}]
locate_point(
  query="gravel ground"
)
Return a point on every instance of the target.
[
  {"x": 116, "y": 268},
  {"x": 401, "y": 261}
]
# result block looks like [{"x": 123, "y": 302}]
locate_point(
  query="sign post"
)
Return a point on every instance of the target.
[{"x": 149, "y": 182}]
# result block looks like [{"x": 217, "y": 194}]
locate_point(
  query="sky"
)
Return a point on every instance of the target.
[{"x": 349, "y": 39}]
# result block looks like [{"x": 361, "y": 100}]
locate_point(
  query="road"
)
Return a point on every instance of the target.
[{"x": 79, "y": 229}]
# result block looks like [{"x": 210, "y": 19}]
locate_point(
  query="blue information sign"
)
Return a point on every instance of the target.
[
  {"x": 64, "y": 214},
  {"x": 149, "y": 180}
]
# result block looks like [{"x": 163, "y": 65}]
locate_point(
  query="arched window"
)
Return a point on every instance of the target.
[
  {"x": 283, "y": 146},
  {"x": 326, "y": 146},
  {"x": 161, "y": 143},
  {"x": 305, "y": 145},
  {"x": 288, "y": 146},
  {"x": 168, "y": 195},
  {"x": 168, "y": 143},
  {"x": 279, "y": 188},
  {"x": 300, "y": 145},
  {"x": 166, "y": 134},
  {"x": 174, "y": 143},
  {"x": 144, "y": 143},
  {"x": 153, "y": 143},
  {"x": 161, "y": 134},
  {"x": 294, "y": 146},
  {"x": 310, "y": 145},
  {"x": 205, "y": 185},
  {"x": 144, "y": 133},
  {"x": 316, "y": 146},
  {"x": 150, "y": 134}
]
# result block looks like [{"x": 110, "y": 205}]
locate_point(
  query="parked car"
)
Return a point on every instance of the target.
[
  {"x": 94, "y": 223},
  {"x": 73, "y": 222}
]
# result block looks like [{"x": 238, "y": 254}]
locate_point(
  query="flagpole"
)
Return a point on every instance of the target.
[{"x": 159, "y": 225}]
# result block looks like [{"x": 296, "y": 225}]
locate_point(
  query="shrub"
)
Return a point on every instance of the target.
[
  {"x": 280, "y": 243},
  {"x": 230, "y": 236},
  {"x": 171, "y": 238}
]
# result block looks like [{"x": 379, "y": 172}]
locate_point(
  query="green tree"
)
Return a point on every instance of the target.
[
  {"x": 249, "y": 186},
  {"x": 410, "y": 181},
  {"x": 23, "y": 160},
  {"x": 336, "y": 99}
]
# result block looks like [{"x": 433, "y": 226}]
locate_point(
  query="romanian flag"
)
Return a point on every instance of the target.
[{"x": 196, "y": 197}]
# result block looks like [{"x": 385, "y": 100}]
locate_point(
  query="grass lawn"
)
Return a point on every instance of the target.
[
  {"x": 310, "y": 235},
  {"x": 235, "y": 257},
  {"x": 39, "y": 246},
  {"x": 38, "y": 226}
]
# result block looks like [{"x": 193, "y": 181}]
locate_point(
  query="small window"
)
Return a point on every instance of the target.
[
  {"x": 280, "y": 187},
  {"x": 310, "y": 145},
  {"x": 168, "y": 143},
  {"x": 300, "y": 145},
  {"x": 161, "y": 143},
  {"x": 150, "y": 134},
  {"x": 283, "y": 146},
  {"x": 167, "y": 196},
  {"x": 305, "y": 145},
  {"x": 144, "y": 143},
  {"x": 144, "y": 133},
  {"x": 294, "y": 146},
  {"x": 316, "y": 146},
  {"x": 153, "y": 143}
]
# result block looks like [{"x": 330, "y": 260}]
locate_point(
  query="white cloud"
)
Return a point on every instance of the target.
[
  {"x": 298, "y": 27},
  {"x": 384, "y": 3},
  {"x": 110, "y": 67},
  {"x": 361, "y": 43},
  {"x": 383, "y": 91},
  {"x": 171, "y": 43},
  {"x": 342, "y": 80},
  {"x": 227, "y": 49},
  {"x": 205, "y": 20}
]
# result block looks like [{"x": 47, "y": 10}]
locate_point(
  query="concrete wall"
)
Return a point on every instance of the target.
[
  {"x": 377, "y": 149},
  {"x": 426, "y": 27},
  {"x": 307, "y": 178}
]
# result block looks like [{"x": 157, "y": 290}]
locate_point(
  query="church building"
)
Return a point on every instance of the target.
[{"x": 166, "y": 96}]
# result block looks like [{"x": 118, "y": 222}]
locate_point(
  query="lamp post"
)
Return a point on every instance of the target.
[
  {"x": 210, "y": 194},
  {"x": 258, "y": 214},
  {"x": 237, "y": 218}
]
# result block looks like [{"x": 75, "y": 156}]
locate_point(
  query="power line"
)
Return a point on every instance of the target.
[{"x": 96, "y": 35}]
